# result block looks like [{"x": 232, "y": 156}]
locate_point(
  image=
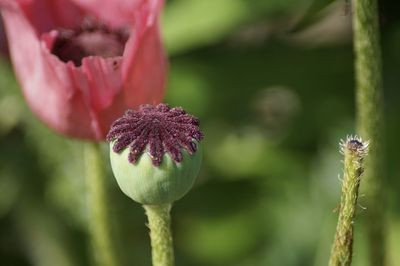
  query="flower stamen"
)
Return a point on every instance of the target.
[
  {"x": 90, "y": 39},
  {"x": 161, "y": 128}
]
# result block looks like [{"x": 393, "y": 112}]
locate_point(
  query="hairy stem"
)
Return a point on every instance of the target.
[
  {"x": 103, "y": 247},
  {"x": 342, "y": 250},
  {"x": 368, "y": 71},
  {"x": 160, "y": 234}
]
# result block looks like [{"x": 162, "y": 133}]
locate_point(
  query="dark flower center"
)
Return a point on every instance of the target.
[
  {"x": 90, "y": 39},
  {"x": 161, "y": 128}
]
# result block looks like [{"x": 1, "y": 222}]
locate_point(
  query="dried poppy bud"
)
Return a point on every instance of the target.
[{"x": 155, "y": 153}]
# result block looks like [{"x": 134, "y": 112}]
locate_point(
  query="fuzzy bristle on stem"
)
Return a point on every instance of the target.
[{"x": 354, "y": 150}]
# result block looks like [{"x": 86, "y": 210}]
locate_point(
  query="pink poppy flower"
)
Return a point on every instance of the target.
[{"x": 82, "y": 63}]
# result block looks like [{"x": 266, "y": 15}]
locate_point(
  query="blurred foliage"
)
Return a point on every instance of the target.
[{"x": 273, "y": 103}]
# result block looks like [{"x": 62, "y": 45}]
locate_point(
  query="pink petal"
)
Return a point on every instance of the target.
[
  {"x": 104, "y": 80},
  {"x": 3, "y": 42},
  {"x": 114, "y": 12},
  {"x": 144, "y": 54},
  {"x": 45, "y": 15}
]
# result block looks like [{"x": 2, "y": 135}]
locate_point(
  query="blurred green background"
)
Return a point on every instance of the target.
[{"x": 272, "y": 82}]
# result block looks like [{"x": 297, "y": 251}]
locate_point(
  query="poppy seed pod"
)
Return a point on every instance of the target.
[{"x": 155, "y": 153}]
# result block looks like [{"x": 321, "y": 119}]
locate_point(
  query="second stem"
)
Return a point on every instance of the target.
[
  {"x": 103, "y": 246},
  {"x": 368, "y": 70}
]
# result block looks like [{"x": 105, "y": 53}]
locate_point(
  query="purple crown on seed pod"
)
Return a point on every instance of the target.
[{"x": 160, "y": 128}]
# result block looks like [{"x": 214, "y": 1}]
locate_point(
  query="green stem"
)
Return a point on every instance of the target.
[
  {"x": 103, "y": 247},
  {"x": 369, "y": 117},
  {"x": 342, "y": 249},
  {"x": 160, "y": 234}
]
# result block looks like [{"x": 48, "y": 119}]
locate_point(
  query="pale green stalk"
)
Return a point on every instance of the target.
[
  {"x": 160, "y": 234},
  {"x": 342, "y": 249},
  {"x": 103, "y": 247},
  {"x": 368, "y": 71}
]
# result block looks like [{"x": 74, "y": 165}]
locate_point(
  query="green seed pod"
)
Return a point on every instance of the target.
[
  {"x": 153, "y": 185},
  {"x": 155, "y": 153}
]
